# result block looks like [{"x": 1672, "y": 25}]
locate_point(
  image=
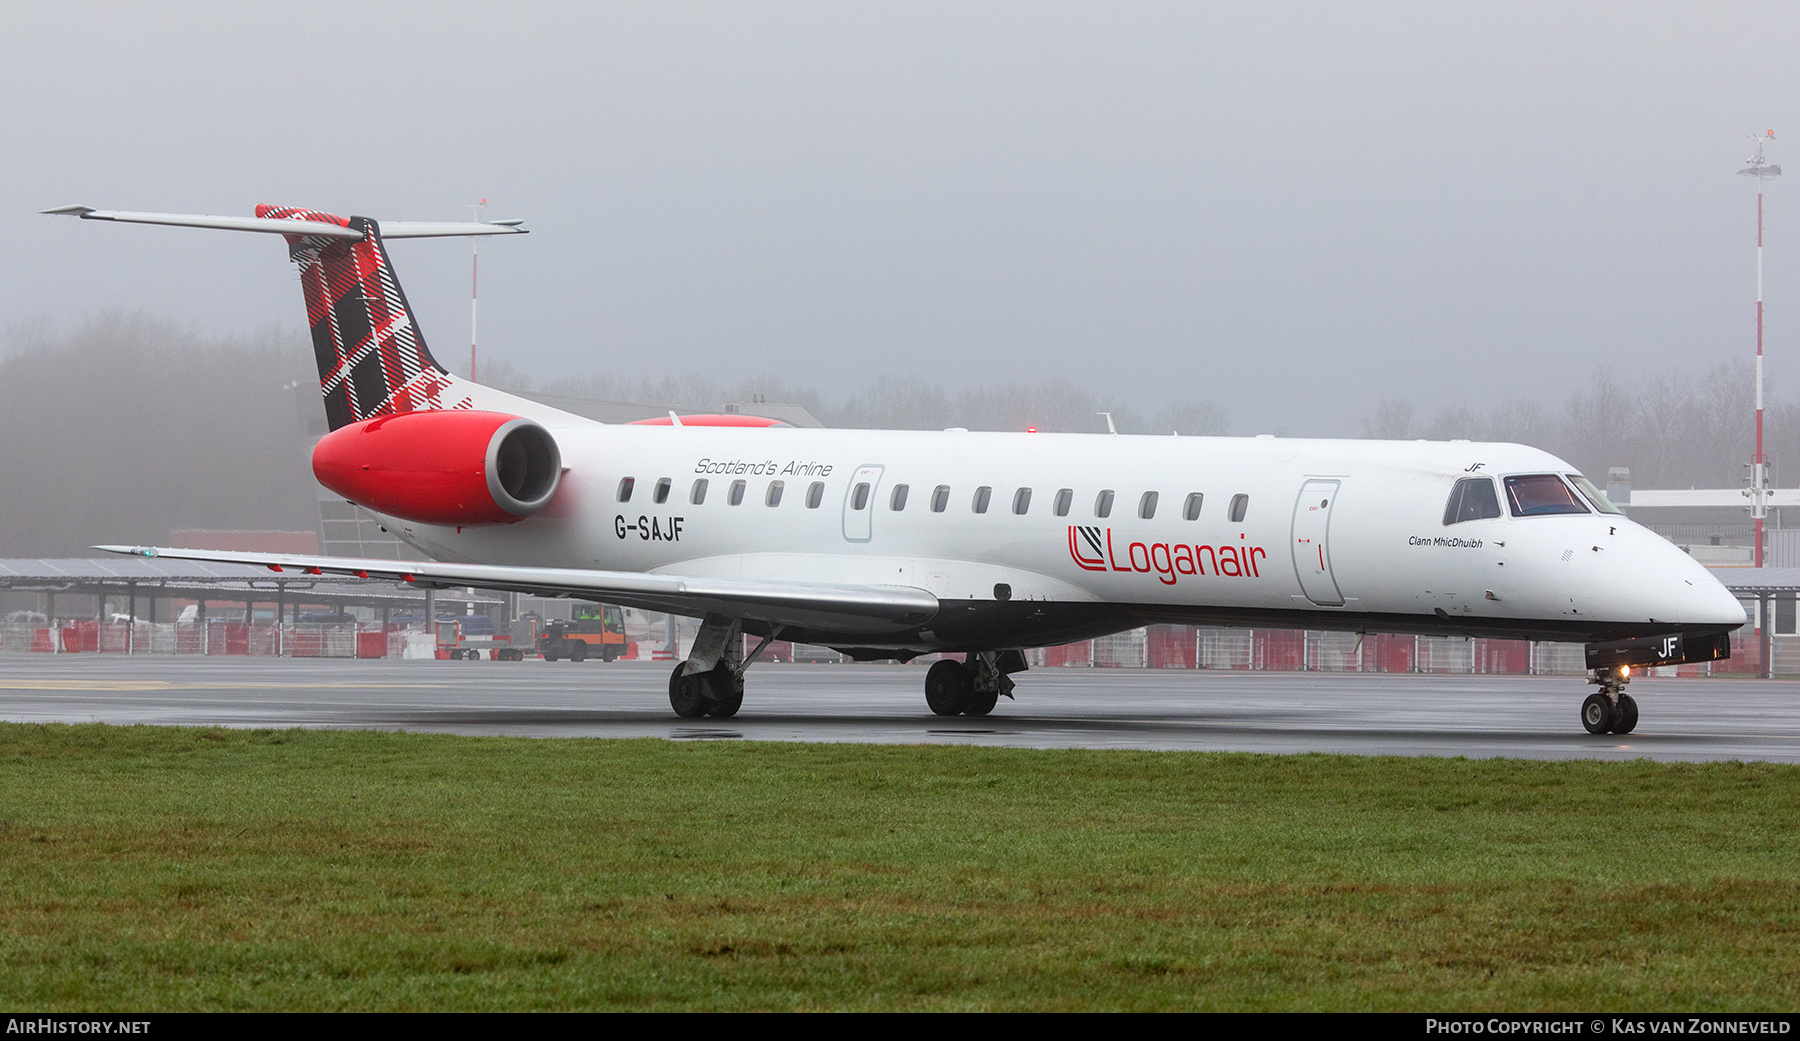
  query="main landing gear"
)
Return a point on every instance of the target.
[
  {"x": 972, "y": 689},
  {"x": 711, "y": 681},
  {"x": 1610, "y": 709}
]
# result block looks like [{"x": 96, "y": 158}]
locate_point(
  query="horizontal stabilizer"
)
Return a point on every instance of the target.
[
  {"x": 287, "y": 226},
  {"x": 816, "y": 606}
]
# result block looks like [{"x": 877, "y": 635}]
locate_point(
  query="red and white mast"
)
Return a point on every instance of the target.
[
  {"x": 474, "y": 296},
  {"x": 1762, "y": 170}
]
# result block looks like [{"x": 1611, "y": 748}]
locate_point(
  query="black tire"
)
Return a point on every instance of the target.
[
  {"x": 726, "y": 707},
  {"x": 548, "y": 656},
  {"x": 609, "y": 654},
  {"x": 947, "y": 687},
  {"x": 1597, "y": 713},
  {"x": 1628, "y": 715},
  {"x": 578, "y": 653},
  {"x": 688, "y": 694},
  {"x": 976, "y": 703}
]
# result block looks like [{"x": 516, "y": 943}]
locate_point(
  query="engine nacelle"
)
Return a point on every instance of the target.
[{"x": 449, "y": 467}]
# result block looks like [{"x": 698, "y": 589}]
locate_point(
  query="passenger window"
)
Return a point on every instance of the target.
[
  {"x": 859, "y": 498},
  {"x": 1103, "y": 503},
  {"x": 662, "y": 490},
  {"x": 1190, "y": 510},
  {"x": 1594, "y": 495},
  {"x": 1022, "y": 501},
  {"x": 1065, "y": 498},
  {"x": 940, "y": 498},
  {"x": 773, "y": 498},
  {"x": 1538, "y": 495},
  {"x": 897, "y": 501},
  {"x": 982, "y": 495},
  {"x": 1147, "y": 506},
  {"x": 736, "y": 498},
  {"x": 626, "y": 484},
  {"x": 698, "y": 495},
  {"x": 1240, "y": 505},
  {"x": 1473, "y": 498},
  {"x": 815, "y": 494}
]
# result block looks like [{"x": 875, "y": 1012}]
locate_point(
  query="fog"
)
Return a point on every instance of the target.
[
  {"x": 127, "y": 426},
  {"x": 123, "y": 427},
  {"x": 1293, "y": 210}
]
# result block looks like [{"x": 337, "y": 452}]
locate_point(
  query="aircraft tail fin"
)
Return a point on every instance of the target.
[
  {"x": 372, "y": 358},
  {"x": 371, "y": 355}
]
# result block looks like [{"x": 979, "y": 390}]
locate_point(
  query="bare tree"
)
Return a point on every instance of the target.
[{"x": 1393, "y": 421}]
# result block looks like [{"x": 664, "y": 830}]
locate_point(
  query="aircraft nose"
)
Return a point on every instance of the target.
[{"x": 1709, "y": 603}]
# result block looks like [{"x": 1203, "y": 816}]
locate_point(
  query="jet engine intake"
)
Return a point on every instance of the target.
[{"x": 445, "y": 467}]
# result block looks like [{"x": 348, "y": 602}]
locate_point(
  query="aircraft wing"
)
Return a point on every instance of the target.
[{"x": 814, "y": 606}]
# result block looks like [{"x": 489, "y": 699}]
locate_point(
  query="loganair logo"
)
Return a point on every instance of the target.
[{"x": 1091, "y": 547}]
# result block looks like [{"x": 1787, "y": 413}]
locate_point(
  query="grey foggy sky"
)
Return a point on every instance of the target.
[{"x": 1292, "y": 209}]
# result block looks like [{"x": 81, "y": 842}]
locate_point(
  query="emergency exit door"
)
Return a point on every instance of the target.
[
  {"x": 859, "y": 503},
  {"x": 1312, "y": 542}
]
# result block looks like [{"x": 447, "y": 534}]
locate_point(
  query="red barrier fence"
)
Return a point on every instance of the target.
[
  {"x": 1160, "y": 647},
  {"x": 1288, "y": 650}
]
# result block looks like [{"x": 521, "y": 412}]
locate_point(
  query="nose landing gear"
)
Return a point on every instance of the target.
[{"x": 1610, "y": 709}]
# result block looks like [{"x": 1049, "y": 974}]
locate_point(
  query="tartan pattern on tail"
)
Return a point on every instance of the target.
[{"x": 372, "y": 359}]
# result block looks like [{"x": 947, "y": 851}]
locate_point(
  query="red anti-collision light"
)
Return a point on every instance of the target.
[{"x": 448, "y": 467}]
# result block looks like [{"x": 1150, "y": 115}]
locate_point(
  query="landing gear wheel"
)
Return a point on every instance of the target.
[
  {"x": 979, "y": 704},
  {"x": 1628, "y": 715},
  {"x": 688, "y": 693},
  {"x": 578, "y": 653},
  {"x": 727, "y": 706},
  {"x": 948, "y": 687},
  {"x": 1597, "y": 713}
]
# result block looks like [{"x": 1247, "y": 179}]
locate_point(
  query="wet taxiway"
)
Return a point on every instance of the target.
[{"x": 1532, "y": 717}]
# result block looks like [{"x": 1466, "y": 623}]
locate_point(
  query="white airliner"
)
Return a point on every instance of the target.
[{"x": 890, "y": 544}]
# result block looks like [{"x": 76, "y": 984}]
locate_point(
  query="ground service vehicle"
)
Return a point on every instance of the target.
[
  {"x": 891, "y": 544},
  {"x": 465, "y": 637},
  {"x": 596, "y": 631}
]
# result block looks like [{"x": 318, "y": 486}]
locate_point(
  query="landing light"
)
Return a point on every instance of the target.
[{"x": 1625, "y": 671}]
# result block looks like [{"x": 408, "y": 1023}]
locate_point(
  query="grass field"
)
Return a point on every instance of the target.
[{"x": 160, "y": 868}]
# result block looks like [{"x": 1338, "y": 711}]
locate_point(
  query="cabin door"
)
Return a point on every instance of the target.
[
  {"x": 859, "y": 503},
  {"x": 1312, "y": 548}
]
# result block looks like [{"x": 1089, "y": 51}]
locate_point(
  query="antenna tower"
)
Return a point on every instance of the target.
[
  {"x": 1761, "y": 169},
  {"x": 474, "y": 287}
]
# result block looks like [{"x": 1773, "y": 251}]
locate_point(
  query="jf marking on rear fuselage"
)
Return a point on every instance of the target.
[{"x": 890, "y": 544}]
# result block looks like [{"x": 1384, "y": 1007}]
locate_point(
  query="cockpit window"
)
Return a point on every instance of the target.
[
  {"x": 1594, "y": 495},
  {"x": 1472, "y": 499},
  {"x": 1536, "y": 495}
]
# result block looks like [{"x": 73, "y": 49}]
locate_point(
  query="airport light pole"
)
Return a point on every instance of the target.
[
  {"x": 1761, "y": 169},
  {"x": 475, "y": 285}
]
